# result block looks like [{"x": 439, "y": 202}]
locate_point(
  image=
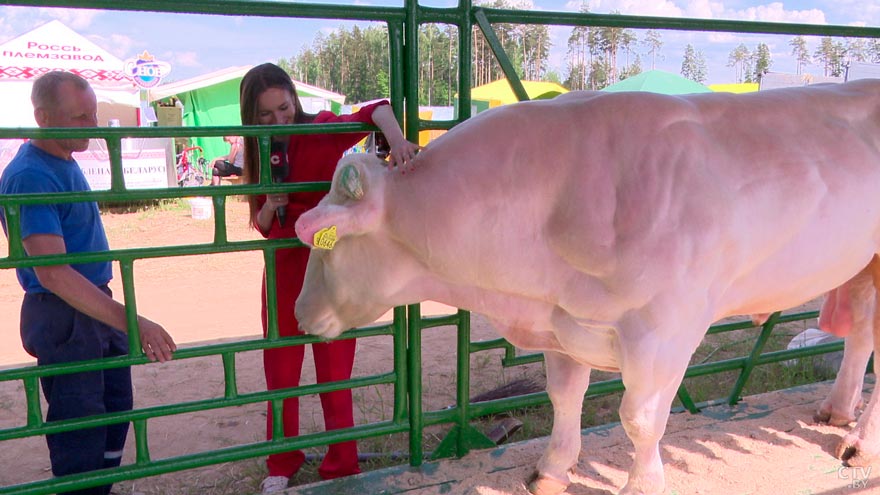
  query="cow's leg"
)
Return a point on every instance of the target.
[
  {"x": 654, "y": 361},
  {"x": 643, "y": 414},
  {"x": 567, "y": 382},
  {"x": 839, "y": 408},
  {"x": 861, "y": 446}
]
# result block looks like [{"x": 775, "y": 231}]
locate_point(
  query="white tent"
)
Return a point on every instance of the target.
[{"x": 54, "y": 46}]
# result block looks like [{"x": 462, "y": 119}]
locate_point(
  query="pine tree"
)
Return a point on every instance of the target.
[
  {"x": 694, "y": 66},
  {"x": 739, "y": 59},
  {"x": 762, "y": 61},
  {"x": 800, "y": 52},
  {"x": 654, "y": 42}
]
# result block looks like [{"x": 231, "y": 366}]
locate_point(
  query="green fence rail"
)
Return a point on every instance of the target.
[{"x": 408, "y": 416}]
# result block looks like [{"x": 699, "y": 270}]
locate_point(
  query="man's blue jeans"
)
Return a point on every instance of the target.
[{"x": 54, "y": 332}]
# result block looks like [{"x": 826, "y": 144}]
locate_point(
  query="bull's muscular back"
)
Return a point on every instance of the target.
[{"x": 602, "y": 201}]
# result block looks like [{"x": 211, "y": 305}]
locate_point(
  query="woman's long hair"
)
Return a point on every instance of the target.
[{"x": 255, "y": 81}]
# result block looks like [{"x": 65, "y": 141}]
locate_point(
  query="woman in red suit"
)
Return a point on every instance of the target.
[{"x": 268, "y": 97}]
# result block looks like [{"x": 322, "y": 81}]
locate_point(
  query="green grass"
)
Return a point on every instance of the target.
[{"x": 146, "y": 207}]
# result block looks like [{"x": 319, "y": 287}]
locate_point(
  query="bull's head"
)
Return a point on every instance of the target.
[{"x": 340, "y": 289}]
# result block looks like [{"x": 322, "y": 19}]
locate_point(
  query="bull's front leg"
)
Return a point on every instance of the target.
[
  {"x": 861, "y": 446},
  {"x": 840, "y": 407},
  {"x": 652, "y": 368},
  {"x": 567, "y": 382}
]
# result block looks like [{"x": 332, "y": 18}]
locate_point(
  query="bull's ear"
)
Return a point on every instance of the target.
[
  {"x": 351, "y": 177},
  {"x": 326, "y": 223},
  {"x": 337, "y": 216},
  {"x": 350, "y": 182}
]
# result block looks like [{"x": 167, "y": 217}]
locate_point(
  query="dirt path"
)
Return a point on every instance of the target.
[{"x": 764, "y": 445}]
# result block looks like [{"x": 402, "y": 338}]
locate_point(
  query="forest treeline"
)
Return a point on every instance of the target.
[{"x": 354, "y": 62}]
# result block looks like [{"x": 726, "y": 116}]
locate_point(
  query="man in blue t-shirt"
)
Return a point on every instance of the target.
[{"x": 68, "y": 312}]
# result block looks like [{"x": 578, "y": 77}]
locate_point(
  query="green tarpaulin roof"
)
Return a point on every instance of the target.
[{"x": 658, "y": 81}]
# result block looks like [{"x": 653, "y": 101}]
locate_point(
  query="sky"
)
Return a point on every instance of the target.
[{"x": 199, "y": 44}]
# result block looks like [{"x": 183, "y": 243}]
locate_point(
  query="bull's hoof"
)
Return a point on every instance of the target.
[
  {"x": 852, "y": 455},
  {"x": 632, "y": 489},
  {"x": 539, "y": 484},
  {"x": 846, "y": 449},
  {"x": 857, "y": 459},
  {"x": 829, "y": 417}
]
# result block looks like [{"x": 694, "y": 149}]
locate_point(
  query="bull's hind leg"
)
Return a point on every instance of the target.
[
  {"x": 839, "y": 408},
  {"x": 861, "y": 446},
  {"x": 567, "y": 382}
]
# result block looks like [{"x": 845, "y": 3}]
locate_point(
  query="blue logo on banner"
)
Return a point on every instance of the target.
[{"x": 145, "y": 70}]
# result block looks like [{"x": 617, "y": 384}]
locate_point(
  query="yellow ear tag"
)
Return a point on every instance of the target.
[{"x": 325, "y": 238}]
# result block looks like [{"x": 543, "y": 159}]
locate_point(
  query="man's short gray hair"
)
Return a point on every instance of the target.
[{"x": 44, "y": 93}]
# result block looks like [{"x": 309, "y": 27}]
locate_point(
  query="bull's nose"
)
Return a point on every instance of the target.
[{"x": 310, "y": 324}]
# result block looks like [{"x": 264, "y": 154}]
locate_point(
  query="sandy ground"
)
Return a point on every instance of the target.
[
  {"x": 764, "y": 445},
  {"x": 211, "y": 298}
]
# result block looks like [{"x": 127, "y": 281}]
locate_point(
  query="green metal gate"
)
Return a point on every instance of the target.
[{"x": 406, "y": 330}]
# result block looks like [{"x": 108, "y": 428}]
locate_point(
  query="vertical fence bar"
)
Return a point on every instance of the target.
[
  {"x": 401, "y": 367},
  {"x": 465, "y": 49},
  {"x": 277, "y": 420},
  {"x": 220, "y": 218},
  {"x": 142, "y": 444},
  {"x": 416, "y": 420},
  {"x": 114, "y": 151},
  {"x": 229, "y": 375},
  {"x": 13, "y": 229},
  {"x": 126, "y": 267},
  {"x": 463, "y": 385},
  {"x": 271, "y": 295},
  {"x": 410, "y": 70},
  {"x": 32, "y": 396}
]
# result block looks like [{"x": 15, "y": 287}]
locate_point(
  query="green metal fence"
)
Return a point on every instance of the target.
[{"x": 406, "y": 330}]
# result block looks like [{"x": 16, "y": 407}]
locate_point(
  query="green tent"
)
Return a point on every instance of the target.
[
  {"x": 212, "y": 100},
  {"x": 658, "y": 81}
]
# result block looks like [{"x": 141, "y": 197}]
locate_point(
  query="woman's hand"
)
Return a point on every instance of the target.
[
  {"x": 402, "y": 153},
  {"x": 266, "y": 215},
  {"x": 273, "y": 201}
]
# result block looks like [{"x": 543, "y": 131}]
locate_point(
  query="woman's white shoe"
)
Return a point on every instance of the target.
[{"x": 274, "y": 484}]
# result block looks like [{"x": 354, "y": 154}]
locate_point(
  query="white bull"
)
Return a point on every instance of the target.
[{"x": 609, "y": 231}]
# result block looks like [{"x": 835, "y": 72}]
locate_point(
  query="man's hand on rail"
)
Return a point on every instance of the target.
[{"x": 155, "y": 341}]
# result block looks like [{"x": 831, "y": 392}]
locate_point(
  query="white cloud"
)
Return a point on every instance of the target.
[
  {"x": 524, "y": 5},
  {"x": 659, "y": 8},
  {"x": 119, "y": 45},
  {"x": 8, "y": 30},
  {"x": 702, "y": 9},
  {"x": 183, "y": 59},
  {"x": 75, "y": 19},
  {"x": 867, "y": 12},
  {"x": 776, "y": 12}
]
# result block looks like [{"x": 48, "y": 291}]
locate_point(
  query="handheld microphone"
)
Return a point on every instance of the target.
[{"x": 280, "y": 169}]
